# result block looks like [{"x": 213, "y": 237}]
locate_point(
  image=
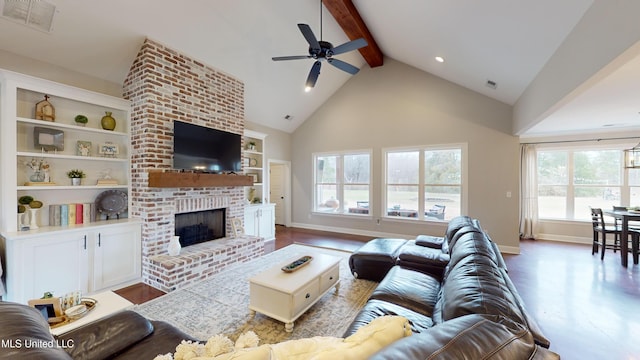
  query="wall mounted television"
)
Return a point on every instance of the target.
[{"x": 205, "y": 149}]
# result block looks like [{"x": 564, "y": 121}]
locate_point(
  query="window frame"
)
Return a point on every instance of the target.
[
  {"x": 571, "y": 186},
  {"x": 340, "y": 183},
  {"x": 422, "y": 185}
]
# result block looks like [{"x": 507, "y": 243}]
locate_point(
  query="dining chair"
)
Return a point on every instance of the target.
[{"x": 601, "y": 228}]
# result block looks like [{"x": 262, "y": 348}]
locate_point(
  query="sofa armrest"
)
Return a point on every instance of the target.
[
  {"x": 107, "y": 336},
  {"x": 434, "y": 242}
]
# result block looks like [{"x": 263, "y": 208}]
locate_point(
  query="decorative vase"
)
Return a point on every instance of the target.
[
  {"x": 38, "y": 176},
  {"x": 21, "y": 219},
  {"x": 34, "y": 218},
  {"x": 108, "y": 122},
  {"x": 75, "y": 181},
  {"x": 174, "y": 246}
]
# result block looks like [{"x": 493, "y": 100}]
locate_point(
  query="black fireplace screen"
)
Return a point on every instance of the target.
[{"x": 200, "y": 226}]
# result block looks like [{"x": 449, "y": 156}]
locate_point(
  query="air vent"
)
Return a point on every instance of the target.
[
  {"x": 491, "y": 84},
  {"x": 37, "y": 14}
]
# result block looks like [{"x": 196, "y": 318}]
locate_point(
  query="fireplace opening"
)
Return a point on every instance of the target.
[{"x": 200, "y": 226}]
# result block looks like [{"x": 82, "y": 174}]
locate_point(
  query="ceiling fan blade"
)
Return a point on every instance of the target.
[
  {"x": 349, "y": 46},
  {"x": 313, "y": 75},
  {"x": 295, "y": 57},
  {"x": 343, "y": 66},
  {"x": 308, "y": 34}
]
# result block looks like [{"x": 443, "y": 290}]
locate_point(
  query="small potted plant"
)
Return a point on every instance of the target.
[
  {"x": 81, "y": 120},
  {"x": 251, "y": 146},
  {"x": 76, "y": 176}
]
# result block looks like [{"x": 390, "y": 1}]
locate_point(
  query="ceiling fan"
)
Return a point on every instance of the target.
[{"x": 324, "y": 50}]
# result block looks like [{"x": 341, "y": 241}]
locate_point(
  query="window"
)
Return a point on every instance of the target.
[
  {"x": 342, "y": 183},
  {"x": 571, "y": 181},
  {"x": 424, "y": 183}
]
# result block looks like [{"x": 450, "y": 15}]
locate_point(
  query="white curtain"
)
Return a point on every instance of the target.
[{"x": 528, "y": 191}]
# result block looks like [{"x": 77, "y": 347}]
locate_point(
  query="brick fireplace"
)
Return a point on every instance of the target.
[{"x": 165, "y": 86}]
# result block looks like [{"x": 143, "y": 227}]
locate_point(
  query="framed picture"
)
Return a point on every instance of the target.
[
  {"x": 254, "y": 176},
  {"x": 48, "y": 139},
  {"x": 108, "y": 149},
  {"x": 83, "y": 148},
  {"x": 49, "y": 308}
]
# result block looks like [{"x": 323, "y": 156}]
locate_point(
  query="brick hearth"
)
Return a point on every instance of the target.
[{"x": 164, "y": 86}]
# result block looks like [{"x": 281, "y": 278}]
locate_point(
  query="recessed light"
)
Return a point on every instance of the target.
[{"x": 439, "y": 59}]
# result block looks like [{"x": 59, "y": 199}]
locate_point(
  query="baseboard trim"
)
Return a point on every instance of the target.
[
  {"x": 351, "y": 231},
  {"x": 565, "y": 238}
]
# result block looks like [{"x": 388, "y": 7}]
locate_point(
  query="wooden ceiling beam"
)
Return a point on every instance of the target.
[{"x": 351, "y": 22}]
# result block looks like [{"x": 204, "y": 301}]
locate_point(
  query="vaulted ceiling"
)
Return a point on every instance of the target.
[{"x": 491, "y": 41}]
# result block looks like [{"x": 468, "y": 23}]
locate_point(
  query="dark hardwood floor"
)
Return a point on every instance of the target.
[{"x": 590, "y": 309}]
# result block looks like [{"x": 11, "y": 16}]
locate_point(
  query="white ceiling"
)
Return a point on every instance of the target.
[{"x": 504, "y": 41}]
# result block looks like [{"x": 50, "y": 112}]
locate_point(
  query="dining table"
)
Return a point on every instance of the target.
[{"x": 625, "y": 216}]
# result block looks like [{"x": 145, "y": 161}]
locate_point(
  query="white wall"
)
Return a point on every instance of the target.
[
  {"x": 608, "y": 29},
  {"x": 397, "y": 105},
  {"x": 43, "y": 70}
]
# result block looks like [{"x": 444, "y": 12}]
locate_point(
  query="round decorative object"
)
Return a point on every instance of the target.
[
  {"x": 112, "y": 202},
  {"x": 108, "y": 122},
  {"x": 253, "y": 162}
]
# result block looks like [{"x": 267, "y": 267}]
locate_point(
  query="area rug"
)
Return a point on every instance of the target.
[{"x": 220, "y": 305}]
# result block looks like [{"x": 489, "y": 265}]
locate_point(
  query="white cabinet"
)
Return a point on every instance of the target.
[
  {"x": 259, "y": 220},
  {"x": 87, "y": 259},
  {"x": 117, "y": 255}
]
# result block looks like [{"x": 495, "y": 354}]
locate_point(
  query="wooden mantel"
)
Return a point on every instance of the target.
[{"x": 159, "y": 179}]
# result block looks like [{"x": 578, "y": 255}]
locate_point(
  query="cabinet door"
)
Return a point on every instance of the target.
[
  {"x": 55, "y": 263},
  {"x": 117, "y": 256},
  {"x": 267, "y": 220},
  {"x": 251, "y": 223}
]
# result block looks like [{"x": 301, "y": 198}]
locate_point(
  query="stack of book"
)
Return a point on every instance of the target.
[{"x": 71, "y": 214}]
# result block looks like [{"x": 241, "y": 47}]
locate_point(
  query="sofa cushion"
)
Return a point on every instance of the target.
[
  {"x": 373, "y": 260},
  {"x": 424, "y": 259},
  {"x": 25, "y": 334},
  {"x": 472, "y": 242},
  {"x": 377, "y": 308},
  {"x": 475, "y": 286},
  {"x": 434, "y": 242},
  {"x": 110, "y": 335},
  {"x": 455, "y": 225},
  {"x": 410, "y": 289},
  {"x": 470, "y": 337}
]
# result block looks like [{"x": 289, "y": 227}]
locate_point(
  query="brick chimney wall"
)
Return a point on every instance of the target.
[{"x": 164, "y": 86}]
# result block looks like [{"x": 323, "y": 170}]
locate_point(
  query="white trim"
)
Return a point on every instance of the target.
[
  {"x": 352, "y": 231},
  {"x": 565, "y": 238}
]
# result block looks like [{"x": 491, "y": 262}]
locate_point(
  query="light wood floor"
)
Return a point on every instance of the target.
[{"x": 590, "y": 309}]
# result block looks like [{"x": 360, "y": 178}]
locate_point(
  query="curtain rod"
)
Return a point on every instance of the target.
[{"x": 585, "y": 140}]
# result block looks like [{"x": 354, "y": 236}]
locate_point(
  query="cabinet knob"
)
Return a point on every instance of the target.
[{"x": 307, "y": 296}]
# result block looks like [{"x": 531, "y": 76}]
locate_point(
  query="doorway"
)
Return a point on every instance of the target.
[{"x": 280, "y": 190}]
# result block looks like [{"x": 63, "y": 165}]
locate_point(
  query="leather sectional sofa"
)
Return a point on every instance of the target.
[
  {"x": 456, "y": 294},
  {"x": 454, "y": 290}
]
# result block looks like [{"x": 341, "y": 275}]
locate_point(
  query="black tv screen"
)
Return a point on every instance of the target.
[{"x": 205, "y": 149}]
